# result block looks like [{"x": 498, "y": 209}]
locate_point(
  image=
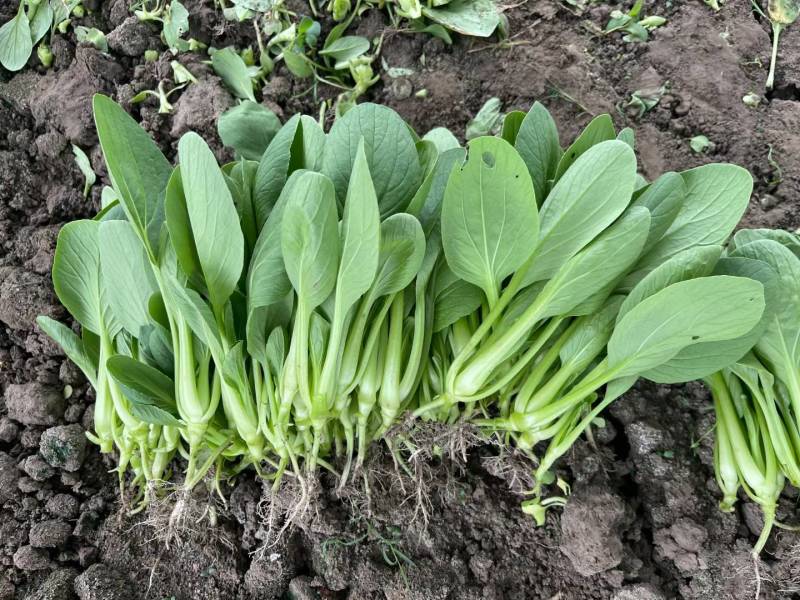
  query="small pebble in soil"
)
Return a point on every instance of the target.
[
  {"x": 34, "y": 403},
  {"x": 64, "y": 447},
  {"x": 9, "y": 475},
  {"x": 52, "y": 533}
]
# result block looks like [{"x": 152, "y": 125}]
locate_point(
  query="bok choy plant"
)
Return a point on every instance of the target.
[
  {"x": 284, "y": 311},
  {"x": 757, "y": 398}
]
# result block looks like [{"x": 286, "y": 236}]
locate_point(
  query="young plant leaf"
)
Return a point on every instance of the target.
[
  {"x": 716, "y": 197},
  {"x": 360, "y": 235},
  {"x": 233, "y": 71},
  {"x": 390, "y": 150},
  {"x": 707, "y": 309},
  {"x": 310, "y": 238},
  {"x": 15, "y": 41},
  {"x": 402, "y": 250},
  {"x": 586, "y": 200},
  {"x": 600, "y": 129},
  {"x": 127, "y": 275},
  {"x": 212, "y": 214},
  {"x": 138, "y": 169},
  {"x": 248, "y": 128},
  {"x": 71, "y": 344},
  {"x": 76, "y": 276},
  {"x": 538, "y": 145},
  {"x": 489, "y": 217}
]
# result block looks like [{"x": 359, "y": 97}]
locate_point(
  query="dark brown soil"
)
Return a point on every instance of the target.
[{"x": 642, "y": 523}]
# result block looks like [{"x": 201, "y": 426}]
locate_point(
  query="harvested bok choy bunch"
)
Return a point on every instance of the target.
[
  {"x": 283, "y": 311},
  {"x": 757, "y": 398}
]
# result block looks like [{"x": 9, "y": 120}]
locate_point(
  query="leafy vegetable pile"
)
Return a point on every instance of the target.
[
  {"x": 757, "y": 398},
  {"x": 289, "y": 308}
]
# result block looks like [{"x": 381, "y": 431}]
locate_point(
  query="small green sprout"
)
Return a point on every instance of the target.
[
  {"x": 635, "y": 26},
  {"x": 700, "y": 144},
  {"x": 164, "y": 105},
  {"x": 85, "y": 167}
]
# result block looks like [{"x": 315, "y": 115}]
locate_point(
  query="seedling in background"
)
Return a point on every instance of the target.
[
  {"x": 488, "y": 121},
  {"x": 646, "y": 100},
  {"x": 637, "y": 28},
  {"x": 164, "y": 105},
  {"x": 86, "y": 168},
  {"x": 93, "y": 36},
  {"x": 33, "y": 20},
  {"x": 174, "y": 19},
  {"x": 782, "y": 13},
  {"x": 700, "y": 144}
]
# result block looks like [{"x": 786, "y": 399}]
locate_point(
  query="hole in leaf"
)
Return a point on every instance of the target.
[{"x": 488, "y": 159}]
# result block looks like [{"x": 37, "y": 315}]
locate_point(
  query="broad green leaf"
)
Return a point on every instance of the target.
[
  {"x": 600, "y": 129},
  {"x": 538, "y": 145},
  {"x": 76, "y": 276},
  {"x": 155, "y": 348},
  {"x": 138, "y": 170},
  {"x": 402, "y": 250},
  {"x": 427, "y": 202},
  {"x": 586, "y": 200},
  {"x": 786, "y": 238},
  {"x": 703, "y": 359},
  {"x": 248, "y": 128},
  {"x": 180, "y": 230},
  {"x": 143, "y": 378},
  {"x": 197, "y": 314},
  {"x": 590, "y": 336},
  {"x": 626, "y": 135},
  {"x": 233, "y": 71},
  {"x": 71, "y": 344},
  {"x": 297, "y": 63},
  {"x": 478, "y": 18},
  {"x": 241, "y": 182},
  {"x": 707, "y": 309},
  {"x": 442, "y": 138},
  {"x": 512, "y": 123},
  {"x": 780, "y": 343},
  {"x": 360, "y": 233},
  {"x": 150, "y": 393},
  {"x": 15, "y": 41},
  {"x": 212, "y": 214},
  {"x": 267, "y": 281},
  {"x": 127, "y": 275},
  {"x": 40, "y": 19},
  {"x": 664, "y": 199},
  {"x": 600, "y": 263},
  {"x": 274, "y": 168},
  {"x": 391, "y": 155},
  {"x": 454, "y": 298},
  {"x": 698, "y": 261},
  {"x": 310, "y": 154},
  {"x": 310, "y": 239},
  {"x": 345, "y": 49},
  {"x": 716, "y": 197},
  {"x": 489, "y": 217}
]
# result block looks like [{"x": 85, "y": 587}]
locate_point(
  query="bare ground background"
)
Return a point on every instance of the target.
[{"x": 642, "y": 523}]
